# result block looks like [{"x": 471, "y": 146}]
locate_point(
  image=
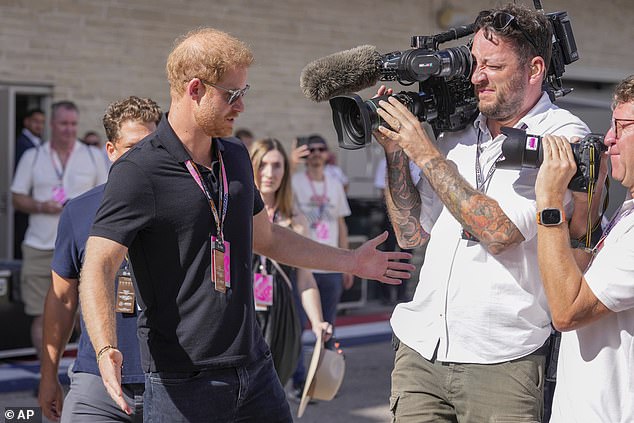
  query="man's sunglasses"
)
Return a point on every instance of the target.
[
  {"x": 317, "y": 149},
  {"x": 501, "y": 20},
  {"x": 618, "y": 126},
  {"x": 234, "y": 95}
]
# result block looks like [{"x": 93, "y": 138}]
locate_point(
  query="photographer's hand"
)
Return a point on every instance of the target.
[{"x": 555, "y": 172}]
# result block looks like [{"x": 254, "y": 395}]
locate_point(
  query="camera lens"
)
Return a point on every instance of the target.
[
  {"x": 355, "y": 119},
  {"x": 352, "y": 121}
]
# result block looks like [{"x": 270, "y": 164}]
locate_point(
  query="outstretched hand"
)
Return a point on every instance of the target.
[
  {"x": 110, "y": 368},
  {"x": 382, "y": 266}
]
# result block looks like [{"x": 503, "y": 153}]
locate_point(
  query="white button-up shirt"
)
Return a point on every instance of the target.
[{"x": 472, "y": 306}]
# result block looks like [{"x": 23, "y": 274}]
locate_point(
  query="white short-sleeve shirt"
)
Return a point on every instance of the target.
[
  {"x": 37, "y": 175},
  {"x": 595, "y": 373},
  {"x": 473, "y": 306}
]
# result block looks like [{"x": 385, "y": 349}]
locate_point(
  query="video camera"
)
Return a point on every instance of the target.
[{"x": 445, "y": 97}]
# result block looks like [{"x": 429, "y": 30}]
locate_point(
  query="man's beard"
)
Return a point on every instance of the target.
[
  {"x": 210, "y": 124},
  {"x": 508, "y": 100}
]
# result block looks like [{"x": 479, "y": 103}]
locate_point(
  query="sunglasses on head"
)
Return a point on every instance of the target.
[
  {"x": 501, "y": 20},
  {"x": 234, "y": 95}
]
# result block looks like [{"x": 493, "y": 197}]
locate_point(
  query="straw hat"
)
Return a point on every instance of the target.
[{"x": 325, "y": 375}]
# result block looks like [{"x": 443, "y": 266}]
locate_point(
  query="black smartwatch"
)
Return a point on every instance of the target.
[{"x": 550, "y": 217}]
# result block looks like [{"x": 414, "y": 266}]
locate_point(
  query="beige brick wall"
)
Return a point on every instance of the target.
[{"x": 95, "y": 51}]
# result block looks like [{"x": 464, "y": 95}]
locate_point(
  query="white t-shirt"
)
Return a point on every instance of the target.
[
  {"x": 323, "y": 218},
  {"x": 476, "y": 307},
  {"x": 37, "y": 175},
  {"x": 595, "y": 373},
  {"x": 337, "y": 173}
]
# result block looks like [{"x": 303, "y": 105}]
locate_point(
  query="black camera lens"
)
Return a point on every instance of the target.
[
  {"x": 355, "y": 119},
  {"x": 352, "y": 121},
  {"x": 522, "y": 150}
]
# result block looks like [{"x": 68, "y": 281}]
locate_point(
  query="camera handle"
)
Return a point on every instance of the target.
[
  {"x": 538, "y": 6},
  {"x": 431, "y": 42}
]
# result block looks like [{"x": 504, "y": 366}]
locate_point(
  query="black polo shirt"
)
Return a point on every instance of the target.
[{"x": 153, "y": 206}]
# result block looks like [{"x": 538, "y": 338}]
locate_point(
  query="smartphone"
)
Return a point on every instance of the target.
[{"x": 302, "y": 141}]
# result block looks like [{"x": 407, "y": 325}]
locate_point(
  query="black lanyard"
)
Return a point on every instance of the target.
[{"x": 482, "y": 184}]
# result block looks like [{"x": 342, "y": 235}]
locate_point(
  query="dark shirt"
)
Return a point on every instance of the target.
[
  {"x": 70, "y": 246},
  {"x": 153, "y": 206},
  {"x": 22, "y": 143}
]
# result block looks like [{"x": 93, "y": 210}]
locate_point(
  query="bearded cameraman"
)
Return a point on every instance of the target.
[{"x": 471, "y": 345}]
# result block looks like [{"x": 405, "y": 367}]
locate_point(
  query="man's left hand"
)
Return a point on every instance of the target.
[
  {"x": 555, "y": 172},
  {"x": 382, "y": 266}
]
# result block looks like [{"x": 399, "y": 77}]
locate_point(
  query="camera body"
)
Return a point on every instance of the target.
[
  {"x": 445, "y": 98},
  {"x": 522, "y": 150}
]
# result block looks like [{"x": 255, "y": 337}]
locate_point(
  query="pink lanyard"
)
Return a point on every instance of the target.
[
  {"x": 323, "y": 199},
  {"x": 223, "y": 194},
  {"x": 618, "y": 216}
]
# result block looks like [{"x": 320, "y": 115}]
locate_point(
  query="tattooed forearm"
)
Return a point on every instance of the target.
[
  {"x": 403, "y": 202},
  {"x": 477, "y": 213}
]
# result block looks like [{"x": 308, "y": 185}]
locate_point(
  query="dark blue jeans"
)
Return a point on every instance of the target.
[{"x": 252, "y": 393}]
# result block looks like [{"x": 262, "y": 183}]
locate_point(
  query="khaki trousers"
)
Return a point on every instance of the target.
[{"x": 433, "y": 391}]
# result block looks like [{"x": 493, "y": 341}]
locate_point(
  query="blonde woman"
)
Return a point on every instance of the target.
[{"x": 273, "y": 282}]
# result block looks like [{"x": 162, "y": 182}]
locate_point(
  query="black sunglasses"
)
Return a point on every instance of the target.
[
  {"x": 501, "y": 20},
  {"x": 317, "y": 149}
]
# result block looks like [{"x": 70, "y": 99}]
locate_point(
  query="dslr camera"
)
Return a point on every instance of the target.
[
  {"x": 445, "y": 97},
  {"x": 522, "y": 150}
]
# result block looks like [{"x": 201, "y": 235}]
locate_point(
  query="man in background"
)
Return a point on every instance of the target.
[
  {"x": 246, "y": 136},
  {"x": 45, "y": 179},
  {"x": 126, "y": 122},
  {"x": 30, "y": 136}
]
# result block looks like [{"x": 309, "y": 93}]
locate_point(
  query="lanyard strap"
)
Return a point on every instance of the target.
[
  {"x": 321, "y": 199},
  {"x": 482, "y": 183},
  {"x": 60, "y": 174},
  {"x": 223, "y": 193}
]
